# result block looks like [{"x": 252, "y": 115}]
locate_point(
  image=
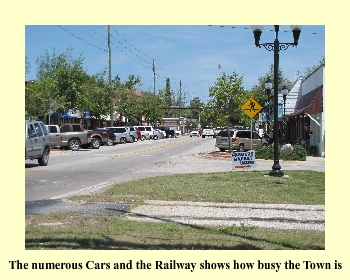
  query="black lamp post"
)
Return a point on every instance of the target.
[
  {"x": 268, "y": 87},
  {"x": 284, "y": 92},
  {"x": 276, "y": 46}
]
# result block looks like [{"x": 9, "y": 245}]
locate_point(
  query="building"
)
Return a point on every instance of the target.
[{"x": 306, "y": 111}]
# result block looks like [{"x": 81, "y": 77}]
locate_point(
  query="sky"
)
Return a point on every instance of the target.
[{"x": 193, "y": 55}]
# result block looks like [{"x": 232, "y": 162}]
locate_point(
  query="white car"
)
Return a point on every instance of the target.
[
  {"x": 207, "y": 132},
  {"x": 194, "y": 132}
]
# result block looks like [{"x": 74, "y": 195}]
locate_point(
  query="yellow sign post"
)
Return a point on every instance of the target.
[{"x": 251, "y": 107}]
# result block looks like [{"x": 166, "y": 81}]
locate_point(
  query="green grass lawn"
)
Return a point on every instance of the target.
[{"x": 111, "y": 232}]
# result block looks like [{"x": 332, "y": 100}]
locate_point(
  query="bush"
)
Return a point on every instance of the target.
[{"x": 299, "y": 153}]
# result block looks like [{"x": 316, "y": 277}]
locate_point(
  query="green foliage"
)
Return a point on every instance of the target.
[
  {"x": 299, "y": 153},
  {"x": 227, "y": 95},
  {"x": 309, "y": 70}
]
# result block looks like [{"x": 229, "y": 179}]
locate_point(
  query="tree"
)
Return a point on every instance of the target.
[
  {"x": 69, "y": 76},
  {"x": 151, "y": 107},
  {"x": 27, "y": 66},
  {"x": 128, "y": 102},
  {"x": 223, "y": 109},
  {"x": 41, "y": 98},
  {"x": 97, "y": 96},
  {"x": 309, "y": 70}
]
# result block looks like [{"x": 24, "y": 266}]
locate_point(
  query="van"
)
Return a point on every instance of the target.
[{"x": 37, "y": 142}]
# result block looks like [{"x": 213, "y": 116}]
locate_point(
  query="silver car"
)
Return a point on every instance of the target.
[
  {"x": 241, "y": 140},
  {"x": 132, "y": 132},
  {"x": 37, "y": 141}
]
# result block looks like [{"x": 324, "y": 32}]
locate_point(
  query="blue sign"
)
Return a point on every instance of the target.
[
  {"x": 264, "y": 116},
  {"x": 87, "y": 114}
]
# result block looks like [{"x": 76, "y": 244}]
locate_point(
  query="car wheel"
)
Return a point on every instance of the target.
[
  {"x": 74, "y": 145},
  {"x": 95, "y": 143},
  {"x": 132, "y": 139},
  {"x": 222, "y": 150},
  {"x": 155, "y": 137},
  {"x": 44, "y": 160},
  {"x": 203, "y": 136},
  {"x": 241, "y": 148},
  {"x": 109, "y": 142},
  {"x": 143, "y": 138},
  {"x": 122, "y": 140}
]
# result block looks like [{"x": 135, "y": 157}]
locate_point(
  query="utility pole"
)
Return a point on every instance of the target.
[
  {"x": 110, "y": 71},
  {"x": 154, "y": 79}
]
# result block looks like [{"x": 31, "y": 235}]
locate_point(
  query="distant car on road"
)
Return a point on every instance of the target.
[
  {"x": 194, "y": 133},
  {"x": 207, "y": 132}
]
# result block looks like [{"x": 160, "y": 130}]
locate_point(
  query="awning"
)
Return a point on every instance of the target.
[
  {"x": 310, "y": 103},
  {"x": 66, "y": 116}
]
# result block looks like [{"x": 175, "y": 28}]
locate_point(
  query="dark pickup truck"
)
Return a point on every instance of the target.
[{"x": 167, "y": 131}]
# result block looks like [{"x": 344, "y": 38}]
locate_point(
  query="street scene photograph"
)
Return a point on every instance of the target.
[{"x": 175, "y": 137}]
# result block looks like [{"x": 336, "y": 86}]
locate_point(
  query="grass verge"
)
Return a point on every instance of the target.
[{"x": 112, "y": 232}]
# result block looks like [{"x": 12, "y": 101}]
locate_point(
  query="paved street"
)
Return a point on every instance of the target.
[{"x": 158, "y": 158}]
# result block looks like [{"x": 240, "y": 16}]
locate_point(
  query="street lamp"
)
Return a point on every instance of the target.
[
  {"x": 276, "y": 46},
  {"x": 268, "y": 87},
  {"x": 284, "y": 92}
]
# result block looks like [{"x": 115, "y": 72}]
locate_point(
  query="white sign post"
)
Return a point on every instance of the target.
[{"x": 243, "y": 160}]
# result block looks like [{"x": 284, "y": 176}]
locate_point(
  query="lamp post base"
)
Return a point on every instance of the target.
[{"x": 276, "y": 171}]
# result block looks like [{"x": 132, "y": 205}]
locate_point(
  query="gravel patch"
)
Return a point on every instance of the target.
[{"x": 273, "y": 216}]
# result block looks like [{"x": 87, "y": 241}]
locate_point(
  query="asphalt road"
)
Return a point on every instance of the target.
[
  {"x": 70, "y": 172},
  {"x": 88, "y": 170}
]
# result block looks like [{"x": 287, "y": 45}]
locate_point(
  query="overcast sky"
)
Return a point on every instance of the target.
[{"x": 187, "y": 53}]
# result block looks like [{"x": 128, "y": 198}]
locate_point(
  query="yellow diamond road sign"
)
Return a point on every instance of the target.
[{"x": 251, "y": 107}]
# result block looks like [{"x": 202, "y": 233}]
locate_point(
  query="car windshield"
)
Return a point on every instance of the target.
[{"x": 223, "y": 133}]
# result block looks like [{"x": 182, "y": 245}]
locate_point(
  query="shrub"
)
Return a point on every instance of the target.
[{"x": 299, "y": 153}]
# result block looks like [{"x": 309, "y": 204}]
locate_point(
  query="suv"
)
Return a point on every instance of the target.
[
  {"x": 241, "y": 140},
  {"x": 37, "y": 141},
  {"x": 131, "y": 130},
  {"x": 144, "y": 134},
  {"x": 118, "y": 135}
]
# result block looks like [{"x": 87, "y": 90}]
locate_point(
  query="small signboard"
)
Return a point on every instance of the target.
[
  {"x": 251, "y": 107},
  {"x": 243, "y": 160}
]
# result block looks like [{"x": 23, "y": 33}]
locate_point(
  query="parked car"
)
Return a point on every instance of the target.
[
  {"x": 111, "y": 139},
  {"x": 149, "y": 129},
  {"x": 194, "y": 133},
  {"x": 118, "y": 135},
  {"x": 216, "y": 131},
  {"x": 37, "y": 142},
  {"x": 177, "y": 132},
  {"x": 207, "y": 132},
  {"x": 144, "y": 134},
  {"x": 157, "y": 134},
  {"x": 162, "y": 133},
  {"x": 132, "y": 132},
  {"x": 240, "y": 140},
  {"x": 72, "y": 136},
  {"x": 167, "y": 131}
]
